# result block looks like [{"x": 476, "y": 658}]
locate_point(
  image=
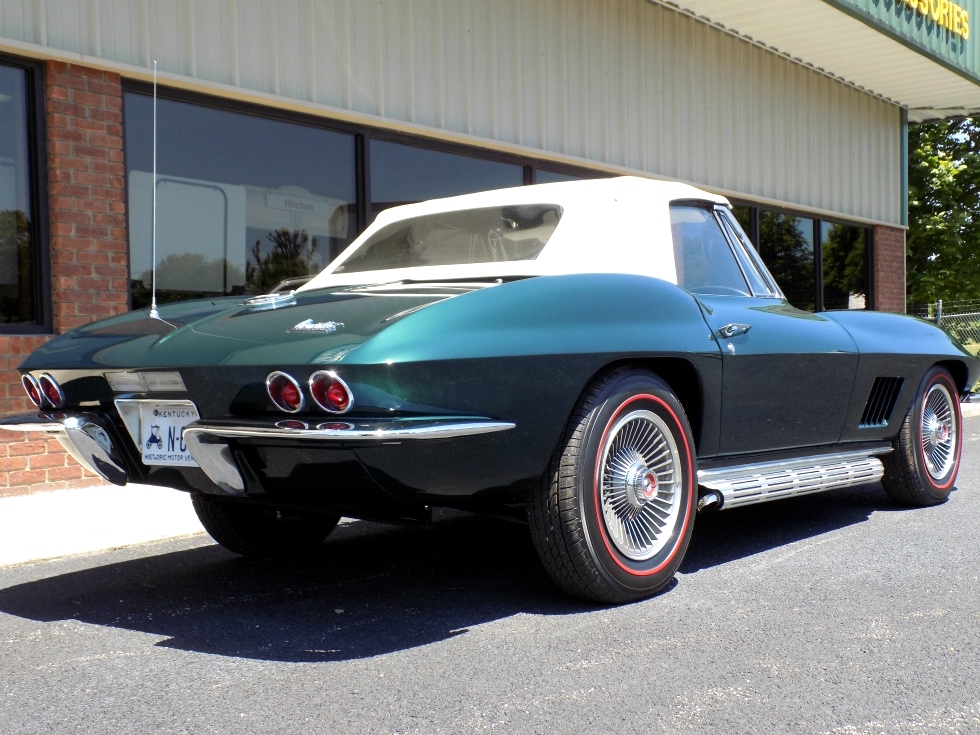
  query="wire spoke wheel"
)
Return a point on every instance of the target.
[
  {"x": 614, "y": 513},
  {"x": 938, "y": 431},
  {"x": 640, "y": 473},
  {"x": 923, "y": 468}
]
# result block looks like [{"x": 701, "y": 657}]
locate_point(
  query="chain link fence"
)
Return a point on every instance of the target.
[{"x": 959, "y": 318}]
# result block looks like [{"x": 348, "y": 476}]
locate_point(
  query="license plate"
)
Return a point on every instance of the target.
[{"x": 161, "y": 432}]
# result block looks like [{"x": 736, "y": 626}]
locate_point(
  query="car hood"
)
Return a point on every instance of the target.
[{"x": 311, "y": 327}]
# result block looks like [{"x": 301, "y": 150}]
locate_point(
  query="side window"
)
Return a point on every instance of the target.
[
  {"x": 753, "y": 269},
  {"x": 704, "y": 260}
]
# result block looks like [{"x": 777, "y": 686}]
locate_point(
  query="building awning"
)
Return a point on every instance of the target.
[{"x": 893, "y": 50}]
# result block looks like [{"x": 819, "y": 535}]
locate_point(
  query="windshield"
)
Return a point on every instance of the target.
[{"x": 491, "y": 234}]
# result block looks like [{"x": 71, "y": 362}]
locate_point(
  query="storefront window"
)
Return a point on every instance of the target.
[
  {"x": 401, "y": 174},
  {"x": 844, "y": 251},
  {"x": 786, "y": 247},
  {"x": 841, "y": 256},
  {"x": 19, "y": 297},
  {"x": 243, "y": 201}
]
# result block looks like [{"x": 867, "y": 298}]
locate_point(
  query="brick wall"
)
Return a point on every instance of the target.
[
  {"x": 889, "y": 269},
  {"x": 89, "y": 268}
]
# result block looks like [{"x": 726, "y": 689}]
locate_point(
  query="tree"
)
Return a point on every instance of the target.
[
  {"x": 844, "y": 265},
  {"x": 943, "y": 240},
  {"x": 293, "y": 254},
  {"x": 789, "y": 256}
]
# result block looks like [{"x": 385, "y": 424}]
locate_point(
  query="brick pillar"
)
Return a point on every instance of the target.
[
  {"x": 88, "y": 252},
  {"x": 889, "y": 267},
  {"x": 87, "y": 188}
]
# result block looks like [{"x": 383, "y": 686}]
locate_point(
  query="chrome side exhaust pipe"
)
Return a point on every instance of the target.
[{"x": 710, "y": 500}]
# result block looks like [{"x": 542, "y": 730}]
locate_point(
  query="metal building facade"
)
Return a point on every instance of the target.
[{"x": 619, "y": 85}]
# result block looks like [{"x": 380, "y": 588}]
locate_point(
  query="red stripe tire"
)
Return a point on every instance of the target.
[{"x": 613, "y": 517}]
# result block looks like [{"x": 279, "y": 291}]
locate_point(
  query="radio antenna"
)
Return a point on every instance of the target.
[{"x": 153, "y": 257}]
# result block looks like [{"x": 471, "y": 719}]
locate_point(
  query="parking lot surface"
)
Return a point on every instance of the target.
[{"x": 834, "y": 613}]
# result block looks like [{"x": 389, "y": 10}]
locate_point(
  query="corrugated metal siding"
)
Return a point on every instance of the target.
[{"x": 626, "y": 83}]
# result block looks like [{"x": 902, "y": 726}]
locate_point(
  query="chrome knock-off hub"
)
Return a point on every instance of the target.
[
  {"x": 641, "y": 484},
  {"x": 939, "y": 432}
]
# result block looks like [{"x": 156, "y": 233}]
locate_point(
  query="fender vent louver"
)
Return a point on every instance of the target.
[{"x": 881, "y": 402}]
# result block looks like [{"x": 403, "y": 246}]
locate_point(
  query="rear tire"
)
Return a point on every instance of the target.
[
  {"x": 922, "y": 469},
  {"x": 613, "y": 517},
  {"x": 257, "y": 531}
]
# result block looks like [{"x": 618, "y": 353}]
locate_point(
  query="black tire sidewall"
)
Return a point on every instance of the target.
[
  {"x": 939, "y": 489},
  {"x": 631, "y": 392}
]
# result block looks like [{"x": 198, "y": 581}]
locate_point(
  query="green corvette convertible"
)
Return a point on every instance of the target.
[{"x": 603, "y": 358}]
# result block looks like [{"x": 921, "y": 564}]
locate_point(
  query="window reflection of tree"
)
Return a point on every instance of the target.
[
  {"x": 844, "y": 266},
  {"x": 16, "y": 301},
  {"x": 789, "y": 256},
  {"x": 293, "y": 254}
]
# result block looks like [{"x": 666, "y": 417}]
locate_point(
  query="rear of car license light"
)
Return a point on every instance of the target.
[
  {"x": 149, "y": 382},
  {"x": 330, "y": 392},
  {"x": 284, "y": 392}
]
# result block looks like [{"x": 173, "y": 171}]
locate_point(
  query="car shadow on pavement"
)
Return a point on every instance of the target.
[
  {"x": 372, "y": 589},
  {"x": 724, "y": 536}
]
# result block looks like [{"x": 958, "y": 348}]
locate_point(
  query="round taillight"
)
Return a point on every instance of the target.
[
  {"x": 330, "y": 392},
  {"x": 32, "y": 388},
  {"x": 284, "y": 392},
  {"x": 52, "y": 391}
]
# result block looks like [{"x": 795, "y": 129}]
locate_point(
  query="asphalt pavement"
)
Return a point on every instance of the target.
[{"x": 832, "y": 614}]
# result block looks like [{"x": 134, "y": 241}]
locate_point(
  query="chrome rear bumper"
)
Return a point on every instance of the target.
[
  {"x": 209, "y": 442},
  {"x": 85, "y": 436},
  {"x": 88, "y": 438}
]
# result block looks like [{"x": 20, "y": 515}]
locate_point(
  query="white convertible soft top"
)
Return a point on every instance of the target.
[{"x": 617, "y": 225}]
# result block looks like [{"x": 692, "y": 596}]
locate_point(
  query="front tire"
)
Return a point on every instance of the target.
[
  {"x": 922, "y": 469},
  {"x": 614, "y": 515},
  {"x": 257, "y": 531}
]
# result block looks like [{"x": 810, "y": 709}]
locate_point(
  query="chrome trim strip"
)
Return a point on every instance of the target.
[
  {"x": 385, "y": 431},
  {"x": 764, "y": 481},
  {"x": 47, "y": 422}
]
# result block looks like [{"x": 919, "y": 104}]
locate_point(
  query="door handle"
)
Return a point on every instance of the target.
[{"x": 732, "y": 330}]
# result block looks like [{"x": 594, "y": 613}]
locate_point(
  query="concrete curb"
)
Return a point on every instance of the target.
[{"x": 66, "y": 522}]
